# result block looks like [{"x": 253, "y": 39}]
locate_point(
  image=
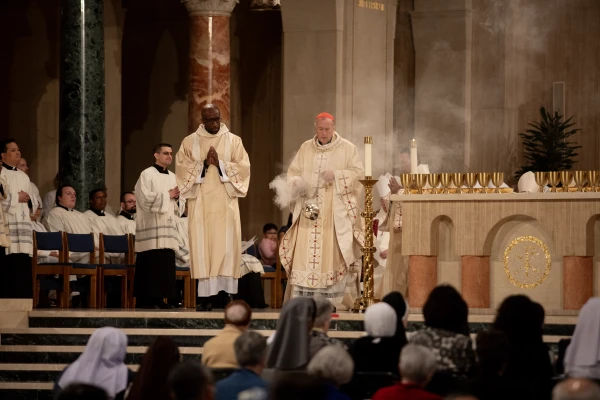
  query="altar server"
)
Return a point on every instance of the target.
[
  {"x": 126, "y": 217},
  {"x": 156, "y": 239},
  {"x": 102, "y": 221},
  {"x": 213, "y": 171},
  {"x": 15, "y": 281}
]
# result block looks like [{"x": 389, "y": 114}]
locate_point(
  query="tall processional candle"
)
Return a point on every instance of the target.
[
  {"x": 413, "y": 156},
  {"x": 368, "y": 144}
]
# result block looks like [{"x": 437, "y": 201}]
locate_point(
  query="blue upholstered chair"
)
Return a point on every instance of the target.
[{"x": 117, "y": 245}]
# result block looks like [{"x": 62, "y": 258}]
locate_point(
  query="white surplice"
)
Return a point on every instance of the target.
[
  {"x": 322, "y": 256},
  {"x": 71, "y": 221},
  {"x": 127, "y": 225},
  {"x": 18, "y": 214},
  {"x": 214, "y": 230},
  {"x": 4, "y": 236},
  {"x": 105, "y": 224},
  {"x": 156, "y": 224}
]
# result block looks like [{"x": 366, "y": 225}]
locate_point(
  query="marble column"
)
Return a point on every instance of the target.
[
  {"x": 422, "y": 279},
  {"x": 81, "y": 113},
  {"x": 210, "y": 77},
  {"x": 475, "y": 281},
  {"x": 578, "y": 281}
]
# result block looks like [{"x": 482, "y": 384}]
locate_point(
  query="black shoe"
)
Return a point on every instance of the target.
[
  {"x": 146, "y": 306},
  {"x": 204, "y": 307},
  {"x": 228, "y": 299},
  {"x": 164, "y": 306}
]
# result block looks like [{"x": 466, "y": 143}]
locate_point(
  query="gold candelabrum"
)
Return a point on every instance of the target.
[{"x": 368, "y": 294}]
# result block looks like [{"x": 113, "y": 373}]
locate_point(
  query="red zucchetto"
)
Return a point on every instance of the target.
[{"x": 325, "y": 115}]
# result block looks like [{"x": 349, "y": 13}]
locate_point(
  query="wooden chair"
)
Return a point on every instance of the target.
[
  {"x": 131, "y": 270},
  {"x": 82, "y": 243},
  {"x": 113, "y": 244},
  {"x": 189, "y": 287},
  {"x": 270, "y": 274},
  {"x": 276, "y": 275},
  {"x": 50, "y": 241}
]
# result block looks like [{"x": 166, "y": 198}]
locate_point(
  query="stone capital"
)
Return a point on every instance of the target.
[{"x": 210, "y": 7}]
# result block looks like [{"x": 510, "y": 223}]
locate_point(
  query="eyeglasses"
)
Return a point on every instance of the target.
[
  {"x": 211, "y": 120},
  {"x": 129, "y": 201}
]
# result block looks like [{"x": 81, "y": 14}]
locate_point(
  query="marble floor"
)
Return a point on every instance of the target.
[{"x": 31, "y": 357}]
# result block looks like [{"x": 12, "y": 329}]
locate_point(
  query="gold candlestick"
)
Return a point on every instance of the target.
[{"x": 368, "y": 294}]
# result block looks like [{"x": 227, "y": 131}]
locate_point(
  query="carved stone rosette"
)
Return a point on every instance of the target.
[
  {"x": 210, "y": 7},
  {"x": 265, "y": 5}
]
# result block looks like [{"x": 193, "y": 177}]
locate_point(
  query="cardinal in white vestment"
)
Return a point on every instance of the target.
[
  {"x": 16, "y": 268},
  {"x": 213, "y": 171},
  {"x": 126, "y": 217},
  {"x": 156, "y": 238},
  {"x": 322, "y": 256}
]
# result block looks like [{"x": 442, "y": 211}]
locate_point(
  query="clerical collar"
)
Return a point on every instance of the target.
[
  {"x": 99, "y": 213},
  {"x": 9, "y": 167},
  {"x": 323, "y": 144},
  {"x": 161, "y": 169},
  {"x": 126, "y": 215},
  {"x": 63, "y": 207}
]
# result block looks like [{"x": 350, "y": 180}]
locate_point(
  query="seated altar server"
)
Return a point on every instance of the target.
[
  {"x": 102, "y": 221},
  {"x": 44, "y": 256},
  {"x": 156, "y": 239},
  {"x": 126, "y": 217},
  {"x": 15, "y": 281}
]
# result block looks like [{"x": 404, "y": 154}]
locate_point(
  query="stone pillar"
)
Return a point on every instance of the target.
[
  {"x": 81, "y": 114},
  {"x": 475, "y": 281},
  {"x": 422, "y": 279},
  {"x": 209, "y": 57},
  {"x": 578, "y": 281},
  {"x": 442, "y": 37}
]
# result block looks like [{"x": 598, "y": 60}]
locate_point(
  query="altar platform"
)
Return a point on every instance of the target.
[
  {"x": 490, "y": 246},
  {"x": 34, "y": 353}
]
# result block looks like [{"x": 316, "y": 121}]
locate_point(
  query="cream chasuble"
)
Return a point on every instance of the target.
[
  {"x": 4, "y": 236},
  {"x": 182, "y": 255},
  {"x": 156, "y": 227},
  {"x": 320, "y": 255},
  {"x": 214, "y": 217},
  {"x": 17, "y": 214},
  {"x": 127, "y": 225}
]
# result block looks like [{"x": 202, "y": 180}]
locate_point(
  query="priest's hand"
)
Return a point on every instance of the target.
[
  {"x": 23, "y": 197},
  {"x": 394, "y": 185},
  {"x": 328, "y": 176},
  {"x": 383, "y": 254},
  {"x": 213, "y": 157},
  {"x": 54, "y": 254},
  {"x": 174, "y": 193}
]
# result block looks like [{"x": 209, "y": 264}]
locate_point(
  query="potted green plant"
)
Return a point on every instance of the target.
[{"x": 546, "y": 144}]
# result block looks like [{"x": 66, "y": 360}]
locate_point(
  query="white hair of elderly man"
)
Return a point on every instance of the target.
[
  {"x": 417, "y": 364},
  {"x": 576, "y": 389}
]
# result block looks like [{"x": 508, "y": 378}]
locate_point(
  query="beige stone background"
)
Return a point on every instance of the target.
[{"x": 463, "y": 77}]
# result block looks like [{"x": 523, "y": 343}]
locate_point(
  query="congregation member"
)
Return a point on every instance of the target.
[
  {"x": 325, "y": 172},
  {"x": 218, "y": 352},
  {"x": 582, "y": 359},
  {"x": 400, "y": 306},
  {"x": 156, "y": 238},
  {"x": 34, "y": 192},
  {"x": 250, "y": 352},
  {"x": 379, "y": 350},
  {"x": 64, "y": 218},
  {"x": 16, "y": 266},
  {"x": 417, "y": 365},
  {"x": 127, "y": 215},
  {"x": 334, "y": 367},
  {"x": 446, "y": 333},
  {"x": 289, "y": 349},
  {"x": 492, "y": 351},
  {"x": 298, "y": 387},
  {"x": 102, "y": 364},
  {"x": 82, "y": 391},
  {"x": 152, "y": 378},
  {"x": 529, "y": 367},
  {"x": 576, "y": 389},
  {"x": 101, "y": 220},
  {"x": 213, "y": 172},
  {"x": 266, "y": 249},
  {"x": 318, "y": 336},
  {"x": 189, "y": 380}
]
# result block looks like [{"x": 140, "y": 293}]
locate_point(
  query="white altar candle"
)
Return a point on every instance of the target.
[
  {"x": 368, "y": 144},
  {"x": 413, "y": 156}
]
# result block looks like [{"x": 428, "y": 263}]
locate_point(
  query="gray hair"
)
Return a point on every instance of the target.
[
  {"x": 576, "y": 389},
  {"x": 250, "y": 349},
  {"x": 324, "y": 310},
  {"x": 417, "y": 363},
  {"x": 333, "y": 364}
]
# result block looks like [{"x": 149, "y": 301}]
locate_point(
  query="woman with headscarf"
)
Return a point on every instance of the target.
[
  {"x": 101, "y": 364},
  {"x": 529, "y": 367},
  {"x": 446, "y": 333},
  {"x": 399, "y": 304},
  {"x": 379, "y": 351},
  {"x": 582, "y": 359},
  {"x": 151, "y": 379},
  {"x": 289, "y": 348}
]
